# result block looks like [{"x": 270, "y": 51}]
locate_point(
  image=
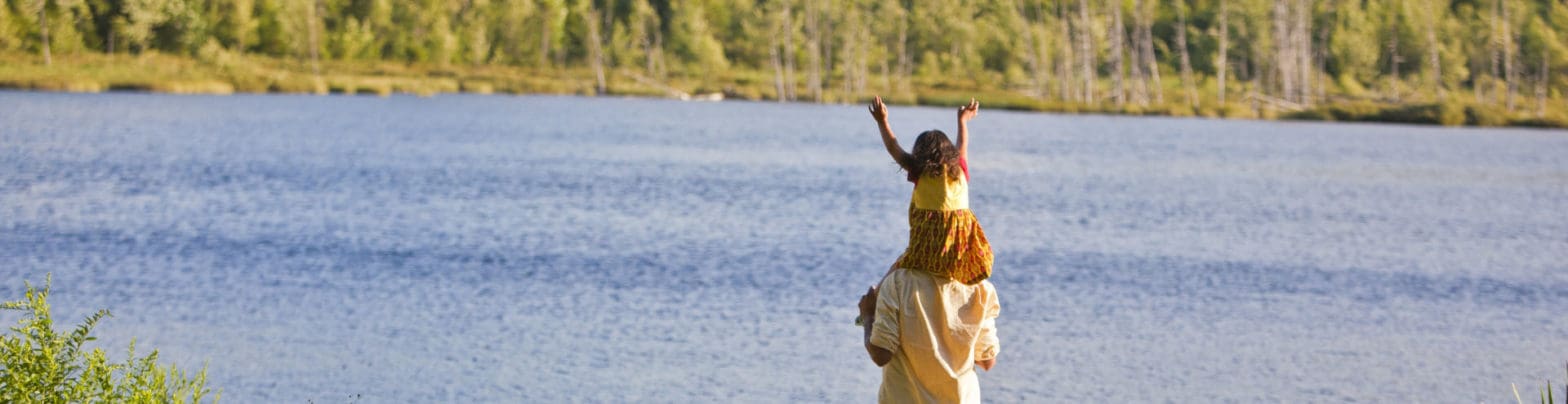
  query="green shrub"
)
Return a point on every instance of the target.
[
  {"x": 1417, "y": 113},
  {"x": 1485, "y": 115},
  {"x": 1354, "y": 111},
  {"x": 1310, "y": 114},
  {"x": 41, "y": 365},
  {"x": 1234, "y": 110},
  {"x": 1451, "y": 114}
]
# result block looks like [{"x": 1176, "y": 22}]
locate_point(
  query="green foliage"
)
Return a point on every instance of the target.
[
  {"x": 1486, "y": 115},
  {"x": 1442, "y": 113},
  {"x": 1490, "y": 53},
  {"x": 39, "y": 364}
]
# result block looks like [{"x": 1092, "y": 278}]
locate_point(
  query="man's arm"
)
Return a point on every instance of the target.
[
  {"x": 868, "y": 312},
  {"x": 879, "y": 113},
  {"x": 989, "y": 345},
  {"x": 965, "y": 113}
]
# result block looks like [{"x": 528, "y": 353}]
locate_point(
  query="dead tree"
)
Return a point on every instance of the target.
[
  {"x": 1064, "y": 60},
  {"x": 43, "y": 31},
  {"x": 595, "y": 50},
  {"x": 1510, "y": 75},
  {"x": 1086, "y": 51},
  {"x": 1152, "y": 65},
  {"x": 1394, "y": 59},
  {"x": 1433, "y": 58},
  {"x": 1186, "y": 63},
  {"x": 1223, "y": 62},
  {"x": 1116, "y": 39}
]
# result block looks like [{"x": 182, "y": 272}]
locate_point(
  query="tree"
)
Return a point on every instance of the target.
[
  {"x": 43, "y": 29},
  {"x": 1116, "y": 39},
  {"x": 1086, "y": 52},
  {"x": 1222, "y": 61},
  {"x": 591, "y": 21},
  {"x": 1353, "y": 49},
  {"x": 1187, "y": 84},
  {"x": 236, "y": 25},
  {"x": 692, "y": 39}
]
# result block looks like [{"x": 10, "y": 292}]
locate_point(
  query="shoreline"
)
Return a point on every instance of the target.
[{"x": 229, "y": 73}]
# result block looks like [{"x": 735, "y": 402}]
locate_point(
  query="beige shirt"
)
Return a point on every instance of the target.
[{"x": 936, "y": 328}]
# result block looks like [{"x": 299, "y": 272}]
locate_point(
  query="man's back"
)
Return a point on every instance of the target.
[{"x": 936, "y": 329}]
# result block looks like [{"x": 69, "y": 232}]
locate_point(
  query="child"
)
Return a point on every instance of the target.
[{"x": 945, "y": 240}]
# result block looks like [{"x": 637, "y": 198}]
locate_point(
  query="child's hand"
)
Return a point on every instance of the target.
[
  {"x": 967, "y": 112},
  {"x": 878, "y": 110}
]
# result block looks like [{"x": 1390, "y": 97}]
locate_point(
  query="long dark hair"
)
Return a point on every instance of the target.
[{"x": 934, "y": 154}]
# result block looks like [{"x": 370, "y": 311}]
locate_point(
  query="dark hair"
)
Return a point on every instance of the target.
[{"x": 934, "y": 155}]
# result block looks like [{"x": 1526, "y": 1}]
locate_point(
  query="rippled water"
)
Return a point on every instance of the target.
[{"x": 536, "y": 249}]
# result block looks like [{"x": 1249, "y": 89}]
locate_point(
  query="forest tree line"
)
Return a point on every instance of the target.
[{"x": 1509, "y": 53}]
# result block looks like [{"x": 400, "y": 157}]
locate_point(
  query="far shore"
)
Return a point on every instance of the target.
[{"x": 232, "y": 73}]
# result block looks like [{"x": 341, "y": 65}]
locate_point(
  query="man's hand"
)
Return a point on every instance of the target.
[
  {"x": 868, "y": 304},
  {"x": 878, "y": 110},
  {"x": 967, "y": 112},
  {"x": 868, "y": 312}
]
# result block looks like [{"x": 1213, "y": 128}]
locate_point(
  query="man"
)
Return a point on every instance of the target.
[{"x": 928, "y": 334}]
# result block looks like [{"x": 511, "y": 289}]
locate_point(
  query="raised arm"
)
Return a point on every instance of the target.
[
  {"x": 965, "y": 113},
  {"x": 879, "y": 113}
]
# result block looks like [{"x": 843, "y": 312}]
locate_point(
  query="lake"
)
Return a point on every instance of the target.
[{"x": 540, "y": 249}]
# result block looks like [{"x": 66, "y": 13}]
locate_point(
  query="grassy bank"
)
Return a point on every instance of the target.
[{"x": 217, "y": 71}]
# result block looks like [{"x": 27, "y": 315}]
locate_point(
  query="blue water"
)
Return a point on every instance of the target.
[{"x": 540, "y": 249}]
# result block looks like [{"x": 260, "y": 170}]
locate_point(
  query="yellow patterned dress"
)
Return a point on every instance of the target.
[{"x": 944, "y": 238}]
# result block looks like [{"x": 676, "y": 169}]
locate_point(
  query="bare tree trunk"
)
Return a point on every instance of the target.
[
  {"x": 825, "y": 41},
  {"x": 1036, "y": 72},
  {"x": 1510, "y": 75},
  {"x": 1543, "y": 76},
  {"x": 1393, "y": 57},
  {"x": 1041, "y": 50},
  {"x": 1321, "y": 55},
  {"x": 789, "y": 53},
  {"x": 1223, "y": 64},
  {"x": 1283, "y": 54},
  {"x": 1186, "y": 63},
  {"x": 778, "y": 67},
  {"x": 315, "y": 45},
  {"x": 1064, "y": 61},
  {"x": 1152, "y": 63},
  {"x": 1304, "y": 51},
  {"x": 43, "y": 31},
  {"x": 544, "y": 42},
  {"x": 595, "y": 51},
  {"x": 658, "y": 54},
  {"x": 1139, "y": 79},
  {"x": 1497, "y": 51},
  {"x": 1434, "y": 59},
  {"x": 781, "y": 28},
  {"x": 647, "y": 47},
  {"x": 1117, "y": 37},
  {"x": 904, "y": 64},
  {"x": 1086, "y": 52},
  {"x": 813, "y": 52}
]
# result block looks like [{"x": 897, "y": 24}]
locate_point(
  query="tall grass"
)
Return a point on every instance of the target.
[
  {"x": 39, "y": 364},
  {"x": 1548, "y": 396}
]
